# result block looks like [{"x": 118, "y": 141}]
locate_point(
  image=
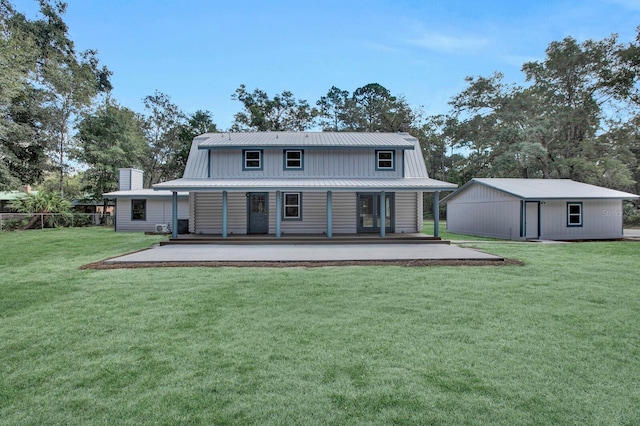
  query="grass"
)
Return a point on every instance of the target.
[{"x": 553, "y": 342}]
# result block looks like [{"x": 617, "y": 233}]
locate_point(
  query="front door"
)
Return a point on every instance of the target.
[
  {"x": 257, "y": 213},
  {"x": 369, "y": 212},
  {"x": 532, "y": 219}
]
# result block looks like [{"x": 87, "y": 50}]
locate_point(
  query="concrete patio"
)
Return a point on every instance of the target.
[{"x": 198, "y": 253}]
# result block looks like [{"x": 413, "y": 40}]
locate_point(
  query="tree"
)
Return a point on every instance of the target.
[
  {"x": 49, "y": 208},
  {"x": 198, "y": 123},
  {"x": 66, "y": 82},
  {"x": 281, "y": 113},
  {"x": 333, "y": 110},
  {"x": 17, "y": 58},
  {"x": 161, "y": 129},
  {"x": 109, "y": 139},
  {"x": 374, "y": 109}
]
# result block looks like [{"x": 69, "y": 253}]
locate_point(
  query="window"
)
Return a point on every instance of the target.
[
  {"x": 385, "y": 160},
  {"x": 252, "y": 159},
  {"x": 138, "y": 209},
  {"x": 574, "y": 214},
  {"x": 292, "y": 205},
  {"x": 293, "y": 159}
]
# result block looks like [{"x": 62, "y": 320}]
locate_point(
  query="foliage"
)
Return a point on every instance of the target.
[
  {"x": 57, "y": 83},
  {"x": 371, "y": 108},
  {"x": 198, "y": 123},
  {"x": 109, "y": 139},
  {"x": 162, "y": 126},
  {"x": 50, "y": 208},
  {"x": 281, "y": 113},
  {"x": 552, "y": 342}
]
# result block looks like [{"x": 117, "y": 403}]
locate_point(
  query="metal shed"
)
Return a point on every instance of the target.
[{"x": 532, "y": 209}]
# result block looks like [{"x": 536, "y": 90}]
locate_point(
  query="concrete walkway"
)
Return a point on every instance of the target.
[{"x": 302, "y": 253}]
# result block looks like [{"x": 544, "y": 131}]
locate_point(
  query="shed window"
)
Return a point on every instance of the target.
[
  {"x": 138, "y": 209},
  {"x": 385, "y": 160},
  {"x": 574, "y": 214},
  {"x": 252, "y": 159},
  {"x": 292, "y": 205},
  {"x": 293, "y": 159}
]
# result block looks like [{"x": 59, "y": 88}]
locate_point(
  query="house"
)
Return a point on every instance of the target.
[
  {"x": 8, "y": 197},
  {"x": 146, "y": 210},
  {"x": 524, "y": 209},
  {"x": 305, "y": 183}
]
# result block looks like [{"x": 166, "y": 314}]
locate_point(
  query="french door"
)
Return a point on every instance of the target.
[{"x": 369, "y": 219}]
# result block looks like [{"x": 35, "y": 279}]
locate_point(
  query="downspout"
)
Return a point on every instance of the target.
[
  {"x": 174, "y": 219},
  {"x": 329, "y": 214},
  {"x": 224, "y": 214},
  {"x": 436, "y": 214}
]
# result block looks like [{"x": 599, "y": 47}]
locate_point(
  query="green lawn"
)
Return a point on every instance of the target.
[{"x": 554, "y": 342}]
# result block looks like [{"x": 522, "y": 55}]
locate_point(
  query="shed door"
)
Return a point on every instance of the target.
[
  {"x": 532, "y": 220},
  {"x": 258, "y": 217}
]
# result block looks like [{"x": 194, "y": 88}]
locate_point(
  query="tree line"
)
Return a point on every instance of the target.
[{"x": 575, "y": 117}]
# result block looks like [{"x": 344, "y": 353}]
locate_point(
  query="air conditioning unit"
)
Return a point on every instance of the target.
[{"x": 162, "y": 228}]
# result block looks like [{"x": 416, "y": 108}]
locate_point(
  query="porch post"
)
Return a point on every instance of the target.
[
  {"x": 436, "y": 214},
  {"x": 383, "y": 214},
  {"x": 278, "y": 213},
  {"x": 225, "y": 214},
  {"x": 329, "y": 214},
  {"x": 174, "y": 219}
]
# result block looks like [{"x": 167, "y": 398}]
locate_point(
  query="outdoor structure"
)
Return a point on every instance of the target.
[
  {"x": 8, "y": 197},
  {"x": 305, "y": 183},
  {"x": 146, "y": 210},
  {"x": 532, "y": 209}
]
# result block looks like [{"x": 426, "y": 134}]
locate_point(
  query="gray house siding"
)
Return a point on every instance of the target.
[
  {"x": 206, "y": 213},
  {"x": 158, "y": 210},
  {"x": 361, "y": 163},
  {"x": 602, "y": 219},
  {"x": 486, "y": 212}
]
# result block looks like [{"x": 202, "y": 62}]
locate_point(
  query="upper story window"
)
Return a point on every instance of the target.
[
  {"x": 252, "y": 159},
  {"x": 138, "y": 209},
  {"x": 294, "y": 159},
  {"x": 385, "y": 160},
  {"x": 574, "y": 214}
]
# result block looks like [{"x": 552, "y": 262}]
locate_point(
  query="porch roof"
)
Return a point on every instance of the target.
[{"x": 306, "y": 184}]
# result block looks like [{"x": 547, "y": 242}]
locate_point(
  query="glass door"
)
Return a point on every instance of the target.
[{"x": 369, "y": 212}]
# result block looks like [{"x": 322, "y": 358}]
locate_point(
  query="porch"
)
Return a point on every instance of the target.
[{"x": 304, "y": 239}]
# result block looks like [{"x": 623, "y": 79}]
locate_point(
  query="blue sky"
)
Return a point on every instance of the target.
[{"x": 198, "y": 51}]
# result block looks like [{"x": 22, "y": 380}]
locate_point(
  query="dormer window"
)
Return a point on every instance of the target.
[
  {"x": 252, "y": 159},
  {"x": 385, "y": 160},
  {"x": 294, "y": 159}
]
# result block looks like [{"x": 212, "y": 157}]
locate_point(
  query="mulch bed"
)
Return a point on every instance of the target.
[{"x": 410, "y": 263}]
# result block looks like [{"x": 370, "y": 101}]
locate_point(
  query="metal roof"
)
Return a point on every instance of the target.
[
  {"x": 142, "y": 193},
  {"x": 306, "y": 184},
  {"x": 307, "y": 140},
  {"x": 545, "y": 189}
]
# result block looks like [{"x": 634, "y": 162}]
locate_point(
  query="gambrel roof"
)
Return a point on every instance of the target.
[
  {"x": 545, "y": 189},
  {"x": 305, "y": 140},
  {"x": 415, "y": 178}
]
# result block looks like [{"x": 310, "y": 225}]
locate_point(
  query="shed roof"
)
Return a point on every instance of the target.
[
  {"x": 545, "y": 189},
  {"x": 307, "y": 140}
]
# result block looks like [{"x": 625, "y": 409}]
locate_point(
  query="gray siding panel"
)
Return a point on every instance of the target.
[
  {"x": 497, "y": 219},
  {"x": 158, "y": 211},
  {"x": 406, "y": 206},
  {"x": 602, "y": 219},
  {"x": 334, "y": 163}
]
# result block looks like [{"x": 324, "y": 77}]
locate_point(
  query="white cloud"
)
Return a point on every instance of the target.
[{"x": 450, "y": 44}]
